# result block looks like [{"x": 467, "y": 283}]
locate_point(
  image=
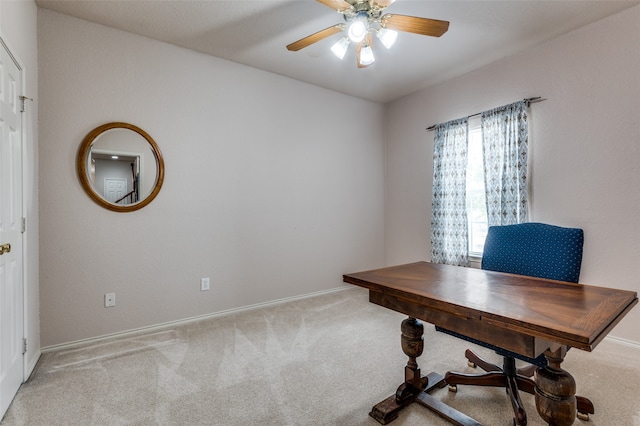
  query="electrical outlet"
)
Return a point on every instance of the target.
[
  {"x": 204, "y": 284},
  {"x": 109, "y": 300}
]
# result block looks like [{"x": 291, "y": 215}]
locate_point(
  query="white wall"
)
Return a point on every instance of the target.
[
  {"x": 18, "y": 24},
  {"x": 268, "y": 190},
  {"x": 583, "y": 144}
]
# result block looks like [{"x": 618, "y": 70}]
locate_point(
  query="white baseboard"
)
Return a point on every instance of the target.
[
  {"x": 625, "y": 342},
  {"x": 161, "y": 326},
  {"x": 31, "y": 367}
]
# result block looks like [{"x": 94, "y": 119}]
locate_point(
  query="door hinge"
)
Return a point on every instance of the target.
[
  {"x": 22, "y": 99},
  {"x": 24, "y": 346},
  {"x": 24, "y": 225}
]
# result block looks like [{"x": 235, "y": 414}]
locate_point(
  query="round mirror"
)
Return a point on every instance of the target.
[{"x": 120, "y": 167}]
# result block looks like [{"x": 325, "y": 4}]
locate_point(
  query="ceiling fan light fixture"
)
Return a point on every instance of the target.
[
  {"x": 366, "y": 55},
  {"x": 340, "y": 47},
  {"x": 363, "y": 18},
  {"x": 387, "y": 37},
  {"x": 358, "y": 28}
]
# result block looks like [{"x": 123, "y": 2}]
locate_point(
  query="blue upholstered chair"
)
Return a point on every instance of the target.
[{"x": 532, "y": 249}]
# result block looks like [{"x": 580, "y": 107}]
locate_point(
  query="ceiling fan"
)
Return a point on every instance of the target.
[{"x": 363, "y": 19}]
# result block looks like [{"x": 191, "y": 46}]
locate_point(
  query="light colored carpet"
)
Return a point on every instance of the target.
[{"x": 325, "y": 360}]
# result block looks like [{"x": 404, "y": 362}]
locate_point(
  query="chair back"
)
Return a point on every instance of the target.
[{"x": 536, "y": 250}]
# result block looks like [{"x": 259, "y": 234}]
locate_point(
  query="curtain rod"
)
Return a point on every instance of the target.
[{"x": 527, "y": 100}]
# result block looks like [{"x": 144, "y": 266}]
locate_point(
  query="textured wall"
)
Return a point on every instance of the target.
[
  {"x": 584, "y": 148},
  {"x": 271, "y": 190}
]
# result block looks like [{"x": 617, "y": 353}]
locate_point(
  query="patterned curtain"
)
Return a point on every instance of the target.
[
  {"x": 505, "y": 143},
  {"x": 449, "y": 232}
]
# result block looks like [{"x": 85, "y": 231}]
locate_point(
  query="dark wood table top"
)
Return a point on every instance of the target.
[{"x": 571, "y": 314}]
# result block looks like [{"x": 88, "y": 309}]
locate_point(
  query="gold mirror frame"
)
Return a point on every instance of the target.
[{"x": 81, "y": 166}]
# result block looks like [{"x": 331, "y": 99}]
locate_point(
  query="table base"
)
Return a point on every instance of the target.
[{"x": 387, "y": 411}]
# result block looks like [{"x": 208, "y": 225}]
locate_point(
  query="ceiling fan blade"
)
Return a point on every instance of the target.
[
  {"x": 358, "y": 50},
  {"x": 313, "y": 38},
  {"x": 413, "y": 24},
  {"x": 380, "y": 4},
  {"x": 339, "y": 5}
]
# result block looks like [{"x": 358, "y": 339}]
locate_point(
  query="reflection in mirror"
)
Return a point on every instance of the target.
[{"x": 120, "y": 167}]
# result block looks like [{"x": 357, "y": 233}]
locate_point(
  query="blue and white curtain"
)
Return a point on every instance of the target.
[
  {"x": 505, "y": 143},
  {"x": 449, "y": 232}
]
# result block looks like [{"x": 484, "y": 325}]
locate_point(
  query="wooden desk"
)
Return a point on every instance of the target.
[{"x": 529, "y": 316}]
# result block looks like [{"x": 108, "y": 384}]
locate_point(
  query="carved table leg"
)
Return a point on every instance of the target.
[
  {"x": 555, "y": 391},
  {"x": 416, "y": 387},
  {"x": 412, "y": 346}
]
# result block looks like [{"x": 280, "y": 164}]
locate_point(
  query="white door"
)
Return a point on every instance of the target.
[
  {"x": 11, "y": 285},
  {"x": 115, "y": 189}
]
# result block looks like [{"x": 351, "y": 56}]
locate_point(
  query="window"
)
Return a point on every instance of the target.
[{"x": 476, "y": 198}]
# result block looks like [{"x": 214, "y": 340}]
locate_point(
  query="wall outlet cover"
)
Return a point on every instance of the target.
[
  {"x": 204, "y": 284},
  {"x": 109, "y": 300}
]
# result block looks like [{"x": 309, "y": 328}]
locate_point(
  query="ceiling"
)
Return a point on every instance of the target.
[{"x": 255, "y": 33}]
